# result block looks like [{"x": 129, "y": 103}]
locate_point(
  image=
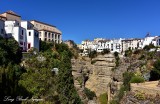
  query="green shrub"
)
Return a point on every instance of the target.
[
  {"x": 92, "y": 54},
  {"x": 128, "y": 52},
  {"x": 148, "y": 47},
  {"x": 121, "y": 93},
  {"x": 117, "y": 58},
  {"x": 103, "y": 98},
  {"x": 141, "y": 57},
  {"x": 116, "y": 54},
  {"x": 105, "y": 51},
  {"x": 90, "y": 94},
  {"x": 137, "y": 51},
  {"x": 126, "y": 80},
  {"x": 93, "y": 61},
  {"x": 140, "y": 96},
  {"x": 113, "y": 102},
  {"x": 137, "y": 79}
]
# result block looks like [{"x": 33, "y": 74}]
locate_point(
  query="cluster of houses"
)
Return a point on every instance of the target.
[
  {"x": 27, "y": 33},
  {"x": 118, "y": 45}
]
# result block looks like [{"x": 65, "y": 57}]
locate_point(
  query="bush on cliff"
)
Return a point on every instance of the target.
[
  {"x": 103, "y": 98},
  {"x": 90, "y": 94},
  {"x": 137, "y": 79}
]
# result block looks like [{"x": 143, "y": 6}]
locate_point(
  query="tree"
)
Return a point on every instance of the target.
[
  {"x": 44, "y": 46},
  {"x": 10, "y": 51},
  {"x": 117, "y": 58},
  {"x": 148, "y": 47},
  {"x": 65, "y": 85},
  {"x": 92, "y": 54},
  {"x": 155, "y": 72},
  {"x": 90, "y": 94},
  {"x": 126, "y": 80}
]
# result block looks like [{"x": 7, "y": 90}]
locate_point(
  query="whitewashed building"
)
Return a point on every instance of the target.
[
  {"x": 13, "y": 29},
  {"x": 23, "y": 33},
  {"x": 148, "y": 40},
  {"x": 32, "y": 35},
  {"x": 133, "y": 44}
]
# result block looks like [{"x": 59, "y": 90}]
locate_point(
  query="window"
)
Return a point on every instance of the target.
[
  {"x": 48, "y": 35},
  {"x": 52, "y": 35},
  {"x": 39, "y": 34},
  {"x": 21, "y": 37},
  {"x": 29, "y": 45},
  {"x": 22, "y": 32},
  {"x": 45, "y": 34},
  {"x": 29, "y": 33},
  {"x": 45, "y": 39},
  {"x": 21, "y": 43},
  {"x": 49, "y": 40}
]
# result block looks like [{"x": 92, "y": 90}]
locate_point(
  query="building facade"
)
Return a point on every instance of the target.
[
  {"x": 47, "y": 32},
  {"x": 32, "y": 35},
  {"x": 118, "y": 45},
  {"x": 13, "y": 29},
  {"x": 10, "y": 15},
  {"x": 22, "y": 31}
]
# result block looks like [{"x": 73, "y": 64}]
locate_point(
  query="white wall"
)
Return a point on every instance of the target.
[
  {"x": 33, "y": 39},
  {"x": 147, "y": 41}
]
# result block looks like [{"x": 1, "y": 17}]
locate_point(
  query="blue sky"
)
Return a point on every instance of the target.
[{"x": 88, "y": 19}]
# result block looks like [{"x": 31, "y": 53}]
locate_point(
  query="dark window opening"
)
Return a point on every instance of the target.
[
  {"x": 29, "y": 33},
  {"x": 22, "y": 32},
  {"x": 29, "y": 45}
]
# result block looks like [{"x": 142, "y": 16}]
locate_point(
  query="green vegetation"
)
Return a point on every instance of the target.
[
  {"x": 36, "y": 78},
  {"x": 126, "y": 80},
  {"x": 10, "y": 69},
  {"x": 148, "y": 47},
  {"x": 105, "y": 51},
  {"x": 128, "y": 52},
  {"x": 117, "y": 58},
  {"x": 137, "y": 79},
  {"x": 93, "y": 61},
  {"x": 121, "y": 93},
  {"x": 92, "y": 54},
  {"x": 103, "y": 98},
  {"x": 140, "y": 96},
  {"x": 90, "y": 94},
  {"x": 45, "y": 46},
  {"x": 155, "y": 73}
]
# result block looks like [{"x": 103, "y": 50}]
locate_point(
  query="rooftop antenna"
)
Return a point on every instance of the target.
[{"x": 148, "y": 34}]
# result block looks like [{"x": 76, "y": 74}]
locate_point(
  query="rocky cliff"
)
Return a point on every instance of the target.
[{"x": 93, "y": 74}]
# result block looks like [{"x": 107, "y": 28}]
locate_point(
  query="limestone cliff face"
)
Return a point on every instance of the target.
[{"x": 98, "y": 74}]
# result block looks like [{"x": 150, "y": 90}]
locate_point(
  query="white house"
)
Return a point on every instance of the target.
[
  {"x": 148, "y": 40},
  {"x": 13, "y": 29},
  {"x": 32, "y": 35},
  {"x": 23, "y": 33},
  {"x": 156, "y": 41},
  {"x": 115, "y": 45}
]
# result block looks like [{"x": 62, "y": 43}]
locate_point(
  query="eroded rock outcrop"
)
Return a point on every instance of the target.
[{"x": 93, "y": 74}]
